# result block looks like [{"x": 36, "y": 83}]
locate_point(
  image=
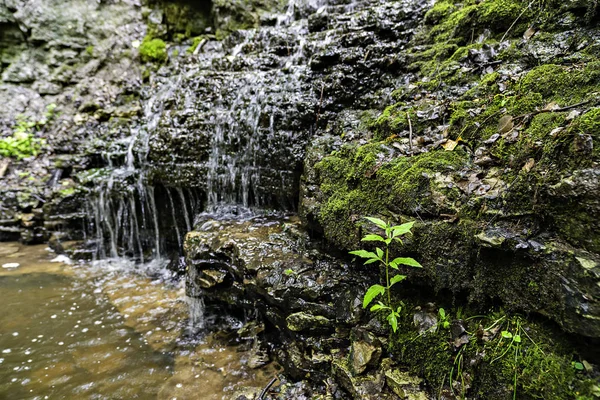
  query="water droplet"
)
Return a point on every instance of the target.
[
  {"x": 61, "y": 343},
  {"x": 53, "y": 316},
  {"x": 6, "y": 351},
  {"x": 84, "y": 330},
  {"x": 15, "y": 333}
]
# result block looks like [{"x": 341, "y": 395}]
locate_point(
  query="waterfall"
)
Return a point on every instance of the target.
[
  {"x": 249, "y": 131},
  {"x": 123, "y": 214},
  {"x": 227, "y": 117}
]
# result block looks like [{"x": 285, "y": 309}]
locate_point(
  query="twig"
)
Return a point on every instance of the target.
[
  {"x": 515, "y": 21},
  {"x": 410, "y": 133},
  {"x": 561, "y": 109},
  {"x": 266, "y": 389}
]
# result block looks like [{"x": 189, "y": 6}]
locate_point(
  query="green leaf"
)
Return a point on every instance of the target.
[
  {"x": 378, "y": 306},
  {"x": 371, "y": 261},
  {"x": 393, "y": 320},
  {"x": 289, "y": 271},
  {"x": 442, "y": 313},
  {"x": 517, "y": 338},
  {"x": 393, "y": 264},
  {"x": 379, "y": 252},
  {"x": 402, "y": 229},
  {"x": 506, "y": 335},
  {"x": 411, "y": 262},
  {"x": 379, "y": 222},
  {"x": 578, "y": 366},
  {"x": 446, "y": 324},
  {"x": 372, "y": 292},
  {"x": 364, "y": 254},
  {"x": 397, "y": 278},
  {"x": 373, "y": 238}
]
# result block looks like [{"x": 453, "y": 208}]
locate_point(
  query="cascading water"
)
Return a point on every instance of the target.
[
  {"x": 124, "y": 218},
  {"x": 230, "y": 123}
]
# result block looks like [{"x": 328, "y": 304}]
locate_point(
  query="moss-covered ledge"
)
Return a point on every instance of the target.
[{"x": 493, "y": 150}]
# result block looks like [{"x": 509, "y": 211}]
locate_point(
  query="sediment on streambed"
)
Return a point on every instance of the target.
[{"x": 203, "y": 128}]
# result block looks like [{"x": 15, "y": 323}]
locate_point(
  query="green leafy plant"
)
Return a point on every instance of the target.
[
  {"x": 382, "y": 257},
  {"x": 443, "y": 320}
]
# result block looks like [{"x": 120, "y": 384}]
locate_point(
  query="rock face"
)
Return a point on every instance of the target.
[{"x": 489, "y": 152}]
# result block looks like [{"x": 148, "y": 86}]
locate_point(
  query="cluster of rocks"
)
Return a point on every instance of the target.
[{"x": 307, "y": 302}]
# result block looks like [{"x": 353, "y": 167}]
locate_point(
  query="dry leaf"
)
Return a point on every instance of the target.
[
  {"x": 492, "y": 139},
  {"x": 529, "y": 33},
  {"x": 528, "y": 165},
  {"x": 505, "y": 124},
  {"x": 551, "y": 106},
  {"x": 573, "y": 114},
  {"x": 450, "y": 145}
]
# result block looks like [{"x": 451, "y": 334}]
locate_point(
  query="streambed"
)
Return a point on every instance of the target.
[{"x": 110, "y": 331}]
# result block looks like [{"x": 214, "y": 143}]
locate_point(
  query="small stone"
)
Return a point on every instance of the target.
[
  {"x": 399, "y": 382},
  {"x": 302, "y": 321},
  {"x": 363, "y": 354},
  {"x": 491, "y": 240},
  {"x": 210, "y": 278}
]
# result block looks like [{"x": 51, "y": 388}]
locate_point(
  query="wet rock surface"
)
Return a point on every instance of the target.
[{"x": 307, "y": 300}]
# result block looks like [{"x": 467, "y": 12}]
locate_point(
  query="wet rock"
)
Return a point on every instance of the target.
[
  {"x": 302, "y": 321},
  {"x": 424, "y": 321},
  {"x": 211, "y": 278},
  {"x": 362, "y": 355},
  {"x": 318, "y": 21},
  {"x": 255, "y": 255},
  {"x": 402, "y": 383},
  {"x": 367, "y": 386}
]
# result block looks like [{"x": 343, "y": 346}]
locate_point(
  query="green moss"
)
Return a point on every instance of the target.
[
  {"x": 90, "y": 51},
  {"x": 362, "y": 180},
  {"x": 565, "y": 85},
  {"x": 490, "y": 362},
  {"x": 154, "y": 50},
  {"x": 67, "y": 192},
  {"x": 439, "y": 11},
  {"x": 469, "y": 21},
  {"x": 195, "y": 43},
  {"x": 589, "y": 123}
]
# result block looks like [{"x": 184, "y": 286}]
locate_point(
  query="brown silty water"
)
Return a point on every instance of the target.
[{"x": 88, "y": 331}]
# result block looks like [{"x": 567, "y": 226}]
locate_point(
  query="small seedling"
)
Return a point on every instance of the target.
[
  {"x": 443, "y": 321},
  {"x": 382, "y": 257}
]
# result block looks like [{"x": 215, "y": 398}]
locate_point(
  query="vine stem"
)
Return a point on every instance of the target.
[{"x": 387, "y": 275}]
